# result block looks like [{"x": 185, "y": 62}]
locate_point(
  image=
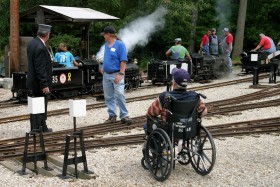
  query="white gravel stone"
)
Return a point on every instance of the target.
[{"x": 245, "y": 161}]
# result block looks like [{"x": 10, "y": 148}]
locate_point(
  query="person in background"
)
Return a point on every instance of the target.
[
  {"x": 178, "y": 52},
  {"x": 213, "y": 43},
  {"x": 39, "y": 75},
  {"x": 64, "y": 57},
  {"x": 278, "y": 46},
  {"x": 227, "y": 45},
  {"x": 204, "y": 44},
  {"x": 77, "y": 55},
  {"x": 266, "y": 44},
  {"x": 49, "y": 47},
  {"x": 114, "y": 65}
]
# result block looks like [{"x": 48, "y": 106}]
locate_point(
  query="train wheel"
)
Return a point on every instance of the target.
[{"x": 126, "y": 87}]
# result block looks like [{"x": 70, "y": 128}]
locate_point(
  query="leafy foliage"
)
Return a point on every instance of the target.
[
  {"x": 262, "y": 16},
  {"x": 70, "y": 41}
]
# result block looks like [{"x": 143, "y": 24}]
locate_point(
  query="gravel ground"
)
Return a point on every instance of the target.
[{"x": 246, "y": 161}]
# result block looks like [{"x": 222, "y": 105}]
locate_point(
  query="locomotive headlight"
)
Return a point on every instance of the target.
[{"x": 135, "y": 61}]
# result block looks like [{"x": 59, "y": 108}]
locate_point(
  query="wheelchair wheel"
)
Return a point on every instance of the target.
[
  {"x": 143, "y": 163},
  {"x": 159, "y": 155},
  {"x": 202, "y": 152}
]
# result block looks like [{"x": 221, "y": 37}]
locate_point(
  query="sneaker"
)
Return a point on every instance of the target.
[
  {"x": 126, "y": 120},
  {"x": 112, "y": 119}
]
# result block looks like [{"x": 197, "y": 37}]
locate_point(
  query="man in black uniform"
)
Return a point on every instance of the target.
[{"x": 39, "y": 77}]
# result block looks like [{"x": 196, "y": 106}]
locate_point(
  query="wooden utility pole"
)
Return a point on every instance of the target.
[
  {"x": 239, "y": 37},
  {"x": 14, "y": 36}
]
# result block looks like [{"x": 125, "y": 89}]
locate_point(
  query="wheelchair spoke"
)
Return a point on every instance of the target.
[
  {"x": 202, "y": 163},
  {"x": 202, "y": 152},
  {"x": 203, "y": 141},
  {"x": 203, "y": 155}
]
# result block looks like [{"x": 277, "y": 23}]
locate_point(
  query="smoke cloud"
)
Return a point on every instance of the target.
[
  {"x": 223, "y": 11},
  {"x": 138, "y": 32}
]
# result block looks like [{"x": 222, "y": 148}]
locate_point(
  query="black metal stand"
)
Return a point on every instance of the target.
[
  {"x": 272, "y": 74},
  {"x": 256, "y": 76},
  {"x": 35, "y": 157},
  {"x": 169, "y": 86},
  {"x": 75, "y": 160}
]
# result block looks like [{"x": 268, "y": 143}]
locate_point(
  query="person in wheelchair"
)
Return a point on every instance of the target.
[
  {"x": 179, "y": 84},
  {"x": 173, "y": 120}
]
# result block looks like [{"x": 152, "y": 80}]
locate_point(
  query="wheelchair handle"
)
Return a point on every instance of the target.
[
  {"x": 202, "y": 95},
  {"x": 169, "y": 111}
]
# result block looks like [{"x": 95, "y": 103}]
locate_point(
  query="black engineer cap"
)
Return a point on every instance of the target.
[{"x": 109, "y": 29}]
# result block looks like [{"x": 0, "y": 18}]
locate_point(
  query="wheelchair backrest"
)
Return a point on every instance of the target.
[{"x": 182, "y": 117}]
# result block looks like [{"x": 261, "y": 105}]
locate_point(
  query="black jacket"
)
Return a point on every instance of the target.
[{"x": 39, "y": 73}]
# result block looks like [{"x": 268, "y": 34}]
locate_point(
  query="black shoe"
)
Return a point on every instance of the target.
[
  {"x": 48, "y": 130},
  {"x": 126, "y": 120},
  {"x": 112, "y": 119}
]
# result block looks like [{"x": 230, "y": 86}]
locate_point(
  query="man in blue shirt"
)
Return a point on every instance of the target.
[{"x": 114, "y": 64}]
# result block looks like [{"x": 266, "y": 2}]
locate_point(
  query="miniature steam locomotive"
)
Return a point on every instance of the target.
[
  {"x": 70, "y": 82},
  {"x": 203, "y": 67}
]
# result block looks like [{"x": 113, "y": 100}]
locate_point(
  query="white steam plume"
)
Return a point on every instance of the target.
[
  {"x": 138, "y": 32},
  {"x": 223, "y": 11}
]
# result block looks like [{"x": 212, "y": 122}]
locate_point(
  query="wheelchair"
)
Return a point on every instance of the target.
[{"x": 182, "y": 130}]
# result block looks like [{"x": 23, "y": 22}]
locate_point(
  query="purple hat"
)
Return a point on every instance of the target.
[{"x": 181, "y": 77}]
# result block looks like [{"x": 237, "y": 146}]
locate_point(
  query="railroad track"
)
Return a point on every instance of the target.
[
  {"x": 8, "y": 104},
  {"x": 55, "y": 142},
  {"x": 91, "y": 131},
  {"x": 258, "y": 94}
]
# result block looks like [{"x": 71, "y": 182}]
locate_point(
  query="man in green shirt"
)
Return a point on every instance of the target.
[{"x": 179, "y": 52}]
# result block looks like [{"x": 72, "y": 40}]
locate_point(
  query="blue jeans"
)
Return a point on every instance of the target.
[
  {"x": 229, "y": 61},
  {"x": 205, "y": 49},
  {"x": 114, "y": 95}
]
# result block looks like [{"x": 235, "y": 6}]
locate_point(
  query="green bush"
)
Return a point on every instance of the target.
[{"x": 70, "y": 41}]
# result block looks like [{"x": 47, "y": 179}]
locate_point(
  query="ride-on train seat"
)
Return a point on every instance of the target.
[{"x": 183, "y": 130}]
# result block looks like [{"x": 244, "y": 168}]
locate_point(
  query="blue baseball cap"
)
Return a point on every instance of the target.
[{"x": 181, "y": 77}]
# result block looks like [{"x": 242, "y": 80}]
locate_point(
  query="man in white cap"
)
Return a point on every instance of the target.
[
  {"x": 227, "y": 46},
  {"x": 178, "y": 52},
  {"x": 39, "y": 77}
]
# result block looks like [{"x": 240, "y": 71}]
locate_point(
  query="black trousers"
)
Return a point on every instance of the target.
[{"x": 38, "y": 120}]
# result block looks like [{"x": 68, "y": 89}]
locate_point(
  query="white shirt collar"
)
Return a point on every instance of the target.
[{"x": 42, "y": 41}]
